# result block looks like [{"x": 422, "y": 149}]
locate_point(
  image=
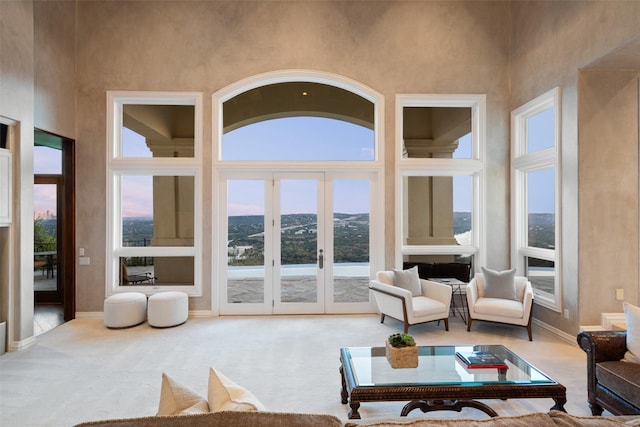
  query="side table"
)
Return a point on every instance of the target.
[{"x": 459, "y": 288}]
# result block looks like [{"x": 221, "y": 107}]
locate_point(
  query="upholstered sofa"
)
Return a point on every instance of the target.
[
  {"x": 264, "y": 419},
  {"x": 612, "y": 384}
]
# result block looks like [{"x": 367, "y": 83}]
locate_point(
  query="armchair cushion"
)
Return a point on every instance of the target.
[
  {"x": 632, "y": 317},
  {"x": 409, "y": 280},
  {"x": 503, "y": 307},
  {"x": 500, "y": 284}
]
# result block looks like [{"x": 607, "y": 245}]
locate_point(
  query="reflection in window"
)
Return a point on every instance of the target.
[
  {"x": 541, "y": 208},
  {"x": 541, "y": 131},
  {"x": 157, "y": 130},
  {"x": 156, "y": 271}
]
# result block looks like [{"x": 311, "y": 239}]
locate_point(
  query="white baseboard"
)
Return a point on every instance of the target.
[
  {"x": 571, "y": 339},
  {"x": 89, "y": 314},
  {"x": 21, "y": 345},
  {"x": 200, "y": 313}
]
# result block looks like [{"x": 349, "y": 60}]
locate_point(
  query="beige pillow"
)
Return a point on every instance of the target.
[
  {"x": 178, "y": 400},
  {"x": 632, "y": 317},
  {"x": 409, "y": 280},
  {"x": 225, "y": 395}
]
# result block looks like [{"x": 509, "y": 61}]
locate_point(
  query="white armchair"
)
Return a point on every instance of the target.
[
  {"x": 400, "y": 304},
  {"x": 514, "y": 312}
]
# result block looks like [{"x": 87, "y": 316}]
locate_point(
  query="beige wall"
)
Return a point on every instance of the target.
[
  {"x": 16, "y": 104},
  {"x": 54, "y": 60},
  {"x": 392, "y": 47},
  {"x": 608, "y": 205},
  {"x": 552, "y": 41}
]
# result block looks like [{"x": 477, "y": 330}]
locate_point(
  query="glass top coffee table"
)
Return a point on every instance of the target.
[{"x": 441, "y": 381}]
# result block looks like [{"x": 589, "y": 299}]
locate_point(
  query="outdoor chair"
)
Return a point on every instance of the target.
[
  {"x": 427, "y": 302},
  {"x": 135, "y": 279}
]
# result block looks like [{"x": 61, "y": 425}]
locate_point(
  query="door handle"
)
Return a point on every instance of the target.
[{"x": 320, "y": 259}]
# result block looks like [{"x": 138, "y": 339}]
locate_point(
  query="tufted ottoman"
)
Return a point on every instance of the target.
[
  {"x": 125, "y": 310},
  {"x": 167, "y": 309}
]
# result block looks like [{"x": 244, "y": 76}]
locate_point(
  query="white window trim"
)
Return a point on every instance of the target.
[
  {"x": 222, "y": 168},
  {"x": 118, "y": 166},
  {"x": 522, "y": 163},
  {"x": 473, "y": 167}
]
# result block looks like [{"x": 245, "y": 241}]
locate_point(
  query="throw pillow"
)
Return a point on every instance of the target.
[
  {"x": 225, "y": 395},
  {"x": 409, "y": 280},
  {"x": 178, "y": 400},
  {"x": 632, "y": 317},
  {"x": 499, "y": 284}
]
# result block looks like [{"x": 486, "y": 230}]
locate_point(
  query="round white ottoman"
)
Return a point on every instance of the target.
[
  {"x": 166, "y": 309},
  {"x": 125, "y": 310}
]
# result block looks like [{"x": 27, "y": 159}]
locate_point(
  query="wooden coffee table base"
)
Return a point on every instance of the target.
[{"x": 446, "y": 405}]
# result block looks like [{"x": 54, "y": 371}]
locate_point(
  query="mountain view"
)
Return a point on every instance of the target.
[{"x": 351, "y": 236}]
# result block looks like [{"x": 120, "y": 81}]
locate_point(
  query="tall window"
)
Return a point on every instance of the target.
[
  {"x": 154, "y": 210},
  {"x": 440, "y": 173},
  {"x": 535, "y": 195}
]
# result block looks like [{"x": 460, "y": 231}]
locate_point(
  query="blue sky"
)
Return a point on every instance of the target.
[{"x": 295, "y": 138}]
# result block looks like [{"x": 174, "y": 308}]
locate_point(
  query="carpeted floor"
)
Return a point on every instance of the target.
[{"x": 82, "y": 371}]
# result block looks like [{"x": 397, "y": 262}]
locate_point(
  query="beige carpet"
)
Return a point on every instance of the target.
[{"x": 82, "y": 371}]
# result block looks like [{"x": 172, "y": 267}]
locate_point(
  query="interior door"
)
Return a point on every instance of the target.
[{"x": 46, "y": 246}]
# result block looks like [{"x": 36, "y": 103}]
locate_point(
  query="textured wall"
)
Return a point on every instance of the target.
[
  {"x": 608, "y": 151},
  {"x": 54, "y": 47},
  {"x": 392, "y": 47},
  {"x": 551, "y": 42},
  {"x": 16, "y": 103}
]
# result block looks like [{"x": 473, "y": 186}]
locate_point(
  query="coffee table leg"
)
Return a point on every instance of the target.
[
  {"x": 446, "y": 405},
  {"x": 344, "y": 396},
  {"x": 559, "y": 406},
  {"x": 353, "y": 413}
]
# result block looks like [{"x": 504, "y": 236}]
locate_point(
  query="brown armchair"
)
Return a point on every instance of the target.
[{"x": 611, "y": 384}]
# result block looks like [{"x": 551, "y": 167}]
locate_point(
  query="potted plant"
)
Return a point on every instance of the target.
[{"x": 401, "y": 351}]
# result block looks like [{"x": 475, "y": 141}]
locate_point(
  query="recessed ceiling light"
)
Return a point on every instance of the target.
[{"x": 304, "y": 93}]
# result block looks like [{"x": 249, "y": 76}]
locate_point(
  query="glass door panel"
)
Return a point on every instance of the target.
[
  {"x": 45, "y": 242},
  {"x": 299, "y": 250},
  {"x": 351, "y": 272},
  {"x": 245, "y": 241}
]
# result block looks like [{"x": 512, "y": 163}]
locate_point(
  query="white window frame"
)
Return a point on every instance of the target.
[
  {"x": 474, "y": 167},
  {"x": 521, "y": 164},
  {"x": 118, "y": 166},
  {"x": 221, "y": 168}
]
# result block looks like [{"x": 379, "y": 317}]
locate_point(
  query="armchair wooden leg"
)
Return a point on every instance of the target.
[
  {"x": 529, "y": 331},
  {"x": 469, "y": 320},
  {"x": 406, "y": 327},
  {"x": 446, "y": 324},
  {"x": 382, "y": 315}
]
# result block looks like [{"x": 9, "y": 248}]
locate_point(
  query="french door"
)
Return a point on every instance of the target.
[{"x": 281, "y": 234}]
